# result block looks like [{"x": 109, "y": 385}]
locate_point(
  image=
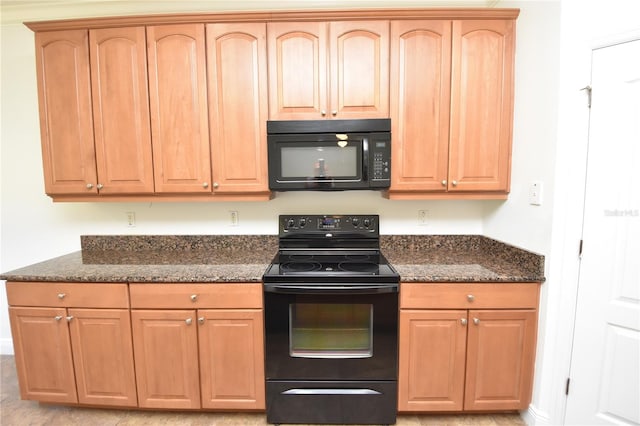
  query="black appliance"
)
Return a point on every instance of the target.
[
  {"x": 331, "y": 323},
  {"x": 329, "y": 154}
]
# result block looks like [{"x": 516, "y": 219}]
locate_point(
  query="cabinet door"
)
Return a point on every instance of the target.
[
  {"x": 500, "y": 359},
  {"x": 121, "y": 110},
  {"x": 432, "y": 357},
  {"x": 42, "y": 348},
  {"x": 232, "y": 358},
  {"x": 166, "y": 357},
  {"x": 237, "y": 73},
  {"x": 420, "y": 93},
  {"x": 103, "y": 356},
  {"x": 66, "y": 122},
  {"x": 481, "y": 105},
  {"x": 359, "y": 64},
  {"x": 298, "y": 87},
  {"x": 178, "y": 99}
]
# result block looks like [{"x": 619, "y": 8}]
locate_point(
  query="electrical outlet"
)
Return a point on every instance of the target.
[
  {"x": 535, "y": 193},
  {"x": 131, "y": 219},
  {"x": 233, "y": 217},
  {"x": 423, "y": 217}
]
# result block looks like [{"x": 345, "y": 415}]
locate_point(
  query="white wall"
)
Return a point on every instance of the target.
[{"x": 32, "y": 228}]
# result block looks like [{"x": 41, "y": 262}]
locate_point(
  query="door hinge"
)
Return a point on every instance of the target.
[
  {"x": 588, "y": 89},
  {"x": 580, "y": 249},
  {"x": 566, "y": 389}
]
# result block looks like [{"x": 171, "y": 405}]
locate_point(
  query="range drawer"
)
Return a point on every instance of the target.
[
  {"x": 188, "y": 296},
  {"x": 68, "y": 295},
  {"x": 468, "y": 296}
]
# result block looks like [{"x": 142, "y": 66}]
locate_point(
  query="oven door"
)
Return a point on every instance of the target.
[
  {"x": 318, "y": 161},
  {"x": 331, "y": 332}
]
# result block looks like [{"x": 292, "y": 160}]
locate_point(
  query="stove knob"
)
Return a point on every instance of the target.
[
  {"x": 355, "y": 221},
  {"x": 367, "y": 222},
  {"x": 290, "y": 223},
  {"x": 303, "y": 222}
]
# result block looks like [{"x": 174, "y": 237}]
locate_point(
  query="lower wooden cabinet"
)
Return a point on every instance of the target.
[
  {"x": 70, "y": 354},
  {"x": 466, "y": 346},
  {"x": 210, "y": 356}
]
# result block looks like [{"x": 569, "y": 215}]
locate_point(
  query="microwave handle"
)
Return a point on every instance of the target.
[{"x": 365, "y": 159}]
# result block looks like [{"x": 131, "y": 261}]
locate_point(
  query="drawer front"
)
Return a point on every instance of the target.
[
  {"x": 468, "y": 296},
  {"x": 68, "y": 295},
  {"x": 194, "y": 296}
]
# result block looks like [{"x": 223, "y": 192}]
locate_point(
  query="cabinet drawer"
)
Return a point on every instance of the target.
[
  {"x": 68, "y": 295},
  {"x": 183, "y": 296},
  {"x": 468, "y": 296}
]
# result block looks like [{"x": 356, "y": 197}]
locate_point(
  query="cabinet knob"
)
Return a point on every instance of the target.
[
  {"x": 216, "y": 184},
  {"x": 58, "y": 317},
  {"x": 444, "y": 182},
  {"x": 89, "y": 186},
  {"x": 334, "y": 112},
  {"x": 194, "y": 297},
  {"x": 454, "y": 182},
  {"x": 471, "y": 297},
  {"x": 476, "y": 321},
  {"x": 69, "y": 318},
  {"x": 61, "y": 296},
  {"x": 205, "y": 185},
  {"x": 188, "y": 321},
  {"x": 100, "y": 186},
  {"x": 201, "y": 320},
  {"x": 323, "y": 113},
  {"x": 463, "y": 321}
]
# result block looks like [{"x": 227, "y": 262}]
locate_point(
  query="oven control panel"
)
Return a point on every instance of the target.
[{"x": 335, "y": 224}]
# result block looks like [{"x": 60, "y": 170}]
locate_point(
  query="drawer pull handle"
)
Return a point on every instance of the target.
[
  {"x": 463, "y": 321},
  {"x": 201, "y": 320},
  {"x": 69, "y": 318},
  {"x": 471, "y": 297},
  {"x": 188, "y": 321},
  {"x": 61, "y": 296},
  {"x": 58, "y": 317},
  {"x": 194, "y": 297},
  {"x": 476, "y": 321}
]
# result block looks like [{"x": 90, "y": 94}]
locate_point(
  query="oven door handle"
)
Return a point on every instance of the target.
[{"x": 331, "y": 289}]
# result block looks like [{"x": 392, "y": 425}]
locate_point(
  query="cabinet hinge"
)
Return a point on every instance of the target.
[
  {"x": 566, "y": 389},
  {"x": 580, "y": 249}
]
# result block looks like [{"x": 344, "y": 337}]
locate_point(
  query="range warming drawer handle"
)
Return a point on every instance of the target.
[
  {"x": 330, "y": 289},
  {"x": 327, "y": 391}
]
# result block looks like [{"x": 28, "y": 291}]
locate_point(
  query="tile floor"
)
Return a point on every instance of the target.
[{"x": 15, "y": 412}]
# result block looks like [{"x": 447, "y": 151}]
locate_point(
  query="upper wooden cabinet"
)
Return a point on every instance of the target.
[
  {"x": 452, "y": 107},
  {"x": 121, "y": 110},
  {"x": 66, "y": 120},
  {"x": 328, "y": 69},
  {"x": 237, "y": 77},
  {"x": 178, "y": 99}
]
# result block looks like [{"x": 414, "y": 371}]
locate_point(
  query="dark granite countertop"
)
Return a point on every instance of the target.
[{"x": 244, "y": 258}]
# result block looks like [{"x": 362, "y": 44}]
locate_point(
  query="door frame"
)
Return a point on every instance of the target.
[{"x": 568, "y": 210}]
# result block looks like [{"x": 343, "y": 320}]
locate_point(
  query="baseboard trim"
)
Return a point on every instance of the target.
[{"x": 535, "y": 417}]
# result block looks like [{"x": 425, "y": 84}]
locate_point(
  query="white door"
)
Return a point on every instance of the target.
[{"x": 605, "y": 363}]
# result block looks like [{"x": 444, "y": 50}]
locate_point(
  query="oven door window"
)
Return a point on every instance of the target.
[{"x": 331, "y": 330}]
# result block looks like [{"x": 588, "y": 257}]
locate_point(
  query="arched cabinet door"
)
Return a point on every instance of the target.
[{"x": 237, "y": 87}]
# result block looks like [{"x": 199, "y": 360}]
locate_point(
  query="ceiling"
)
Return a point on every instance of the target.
[{"x": 18, "y": 11}]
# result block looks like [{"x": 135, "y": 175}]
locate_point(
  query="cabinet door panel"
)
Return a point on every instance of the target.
[
  {"x": 420, "y": 94},
  {"x": 232, "y": 359},
  {"x": 359, "y": 63},
  {"x": 237, "y": 72},
  {"x": 166, "y": 358},
  {"x": 66, "y": 123},
  {"x": 178, "y": 99},
  {"x": 121, "y": 110},
  {"x": 297, "y": 70},
  {"x": 481, "y": 105},
  {"x": 103, "y": 356},
  {"x": 500, "y": 359},
  {"x": 42, "y": 347},
  {"x": 432, "y": 356}
]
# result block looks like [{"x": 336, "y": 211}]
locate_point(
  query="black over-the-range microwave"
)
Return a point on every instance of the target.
[{"x": 329, "y": 154}]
